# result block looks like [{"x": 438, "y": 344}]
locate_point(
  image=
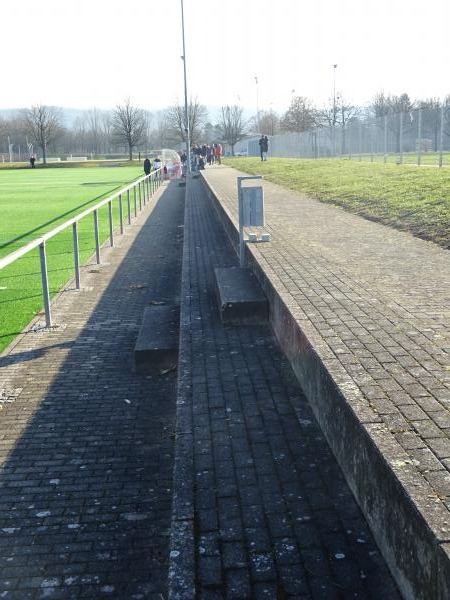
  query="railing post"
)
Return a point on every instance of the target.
[
  {"x": 45, "y": 290},
  {"x": 135, "y": 205},
  {"x": 111, "y": 229},
  {"x": 140, "y": 196},
  {"x": 401, "y": 139},
  {"x": 97, "y": 237},
  {"x": 129, "y": 207},
  {"x": 121, "y": 213},
  {"x": 147, "y": 181},
  {"x": 76, "y": 255},
  {"x": 419, "y": 135}
]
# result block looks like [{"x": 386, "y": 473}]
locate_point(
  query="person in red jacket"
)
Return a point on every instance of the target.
[{"x": 218, "y": 153}]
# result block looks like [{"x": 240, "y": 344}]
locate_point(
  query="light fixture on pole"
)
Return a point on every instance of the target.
[{"x": 186, "y": 113}]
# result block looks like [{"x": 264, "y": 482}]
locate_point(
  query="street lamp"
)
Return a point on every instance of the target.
[{"x": 186, "y": 114}]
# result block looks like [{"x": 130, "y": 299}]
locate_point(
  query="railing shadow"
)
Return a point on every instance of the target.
[{"x": 20, "y": 357}]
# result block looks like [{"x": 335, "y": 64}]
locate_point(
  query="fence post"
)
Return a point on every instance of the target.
[
  {"x": 140, "y": 196},
  {"x": 121, "y": 214},
  {"x": 111, "y": 229},
  {"x": 76, "y": 255},
  {"x": 97, "y": 237},
  {"x": 45, "y": 290},
  {"x": 129, "y": 207},
  {"x": 401, "y": 138},
  {"x": 419, "y": 150},
  {"x": 135, "y": 204},
  {"x": 371, "y": 141},
  {"x": 360, "y": 141},
  {"x": 385, "y": 139}
]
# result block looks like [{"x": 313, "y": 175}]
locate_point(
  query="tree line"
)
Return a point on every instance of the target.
[{"x": 127, "y": 128}]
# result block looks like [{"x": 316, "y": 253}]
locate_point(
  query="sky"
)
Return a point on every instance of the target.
[{"x": 253, "y": 53}]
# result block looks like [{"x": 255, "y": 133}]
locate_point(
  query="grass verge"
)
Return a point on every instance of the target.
[{"x": 34, "y": 202}]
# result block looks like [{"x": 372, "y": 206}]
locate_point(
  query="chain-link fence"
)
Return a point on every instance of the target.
[{"x": 419, "y": 137}]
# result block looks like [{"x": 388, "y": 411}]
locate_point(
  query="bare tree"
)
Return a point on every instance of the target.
[
  {"x": 392, "y": 107},
  {"x": 231, "y": 125},
  {"x": 387, "y": 105},
  {"x": 80, "y": 132},
  {"x": 128, "y": 125},
  {"x": 44, "y": 124},
  {"x": 431, "y": 120},
  {"x": 341, "y": 113},
  {"x": 94, "y": 131},
  {"x": 300, "y": 116},
  {"x": 211, "y": 132},
  {"x": 106, "y": 121},
  {"x": 269, "y": 122},
  {"x": 197, "y": 116}
]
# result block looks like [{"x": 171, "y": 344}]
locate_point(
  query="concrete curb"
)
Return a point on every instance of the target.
[
  {"x": 406, "y": 516},
  {"x": 181, "y": 579}
]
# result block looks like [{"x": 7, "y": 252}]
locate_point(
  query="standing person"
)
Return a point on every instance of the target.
[
  {"x": 157, "y": 167},
  {"x": 147, "y": 166},
  {"x": 261, "y": 146},
  {"x": 218, "y": 153},
  {"x": 211, "y": 154},
  {"x": 32, "y": 161},
  {"x": 265, "y": 147},
  {"x": 204, "y": 153}
]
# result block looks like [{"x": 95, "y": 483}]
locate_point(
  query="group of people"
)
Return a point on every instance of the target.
[
  {"x": 206, "y": 154},
  {"x": 156, "y": 166},
  {"x": 263, "y": 146},
  {"x": 200, "y": 157}
]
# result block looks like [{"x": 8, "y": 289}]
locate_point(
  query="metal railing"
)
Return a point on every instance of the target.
[{"x": 137, "y": 194}]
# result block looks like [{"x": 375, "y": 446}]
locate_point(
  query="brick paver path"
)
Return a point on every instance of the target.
[
  {"x": 87, "y": 445},
  {"x": 261, "y": 508}
]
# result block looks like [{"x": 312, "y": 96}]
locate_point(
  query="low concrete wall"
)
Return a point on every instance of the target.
[{"x": 408, "y": 524}]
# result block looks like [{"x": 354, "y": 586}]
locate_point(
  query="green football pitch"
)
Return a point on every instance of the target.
[{"x": 33, "y": 202}]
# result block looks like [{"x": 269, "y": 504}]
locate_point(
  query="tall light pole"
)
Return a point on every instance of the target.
[
  {"x": 186, "y": 113},
  {"x": 334, "y": 110}
]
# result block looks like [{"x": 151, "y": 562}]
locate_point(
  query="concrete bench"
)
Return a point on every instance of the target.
[
  {"x": 241, "y": 298},
  {"x": 156, "y": 348}
]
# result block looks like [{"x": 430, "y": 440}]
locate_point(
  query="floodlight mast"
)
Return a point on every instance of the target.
[{"x": 186, "y": 113}]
